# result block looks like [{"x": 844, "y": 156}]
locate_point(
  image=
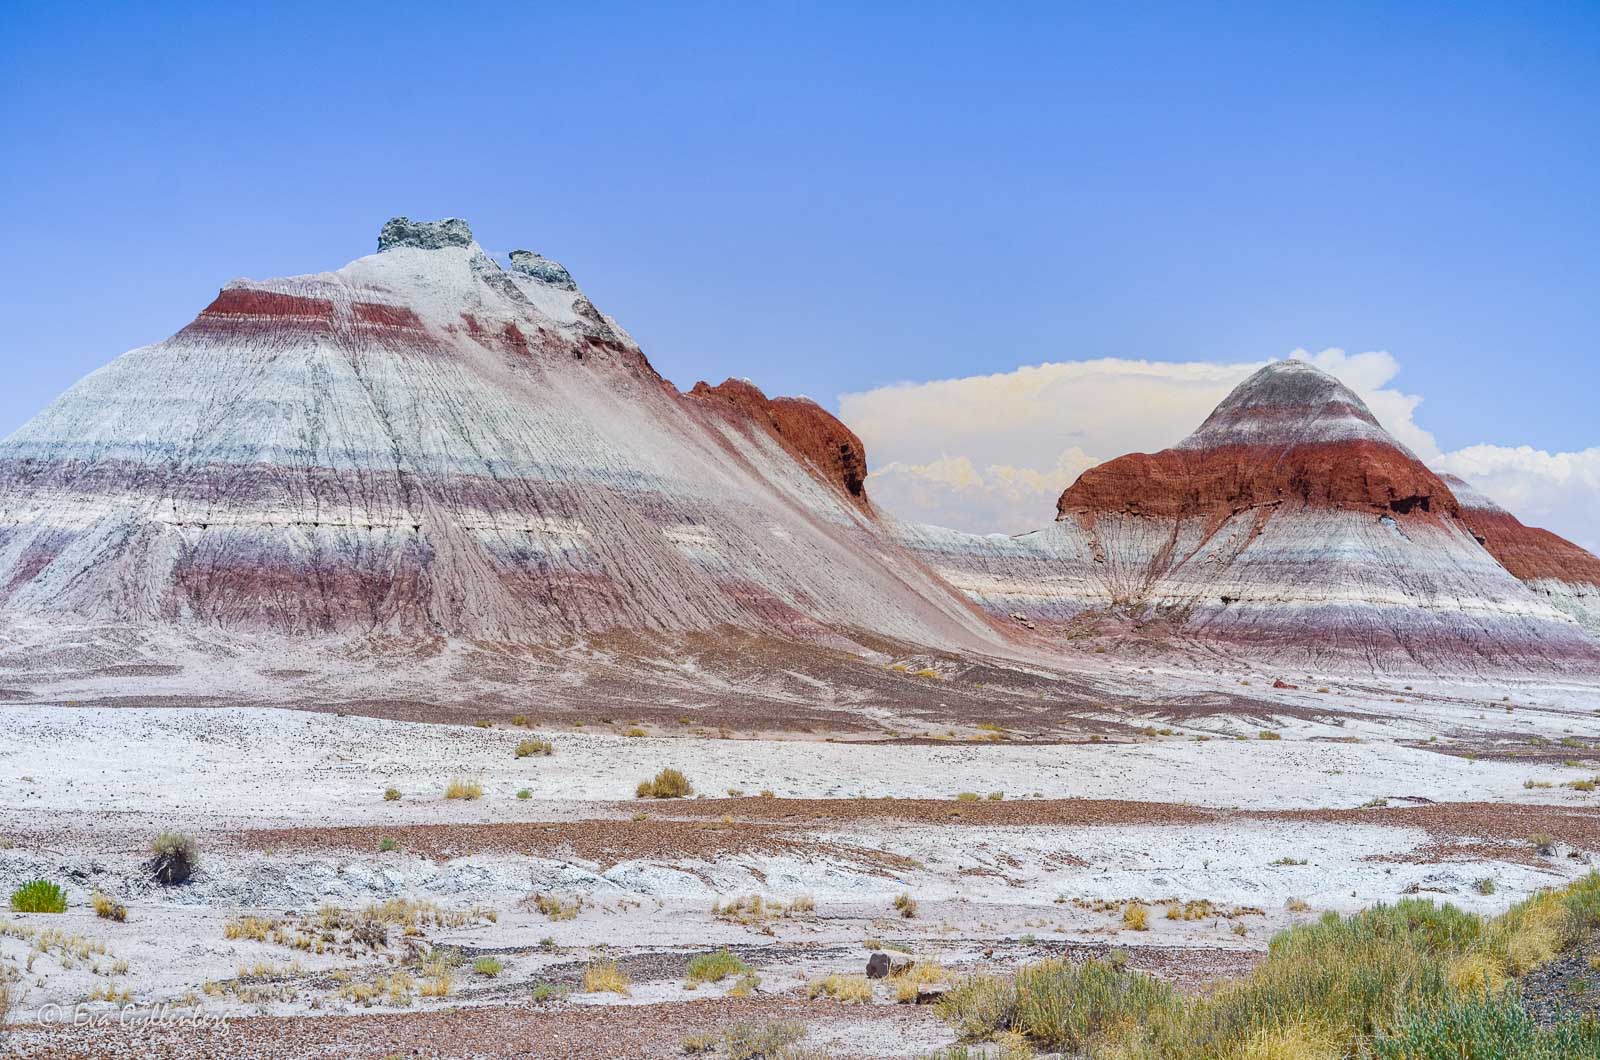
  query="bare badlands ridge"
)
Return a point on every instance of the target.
[
  {"x": 426, "y": 445},
  {"x": 1280, "y": 669}
]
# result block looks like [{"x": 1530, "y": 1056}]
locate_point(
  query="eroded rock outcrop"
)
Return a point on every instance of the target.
[
  {"x": 1289, "y": 526},
  {"x": 423, "y": 443},
  {"x": 803, "y": 427}
]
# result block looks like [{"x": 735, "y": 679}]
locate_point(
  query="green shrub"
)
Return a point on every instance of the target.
[
  {"x": 38, "y": 896},
  {"x": 1056, "y": 1004},
  {"x": 391, "y": 794},
  {"x": 488, "y": 966},
  {"x": 1409, "y": 981},
  {"x": 1483, "y": 1027},
  {"x": 386, "y": 844},
  {"x": 715, "y": 967}
]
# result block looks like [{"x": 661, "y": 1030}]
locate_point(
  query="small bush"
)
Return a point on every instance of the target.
[
  {"x": 1061, "y": 1006},
  {"x": 525, "y": 794},
  {"x": 386, "y": 844},
  {"x": 39, "y": 896},
  {"x": 1543, "y": 842},
  {"x": 996, "y": 796},
  {"x": 529, "y": 748},
  {"x": 668, "y": 784},
  {"x": 1136, "y": 916},
  {"x": 488, "y": 966},
  {"x": 107, "y": 908},
  {"x": 852, "y": 989},
  {"x": 967, "y": 796},
  {"x": 1484, "y": 886},
  {"x": 391, "y": 794},
  {"x": 715, "y": 967},
  {"x": 461, "y": 788},
  {"x": 1268, "y": 734},
  {"x": 548, "y": 992},
  {"x": 605, "y": 977},
  {"x": 175, "y": 858},
  {"x": 520, "y": 721},
  {"x": 905, "y": 905},
  {"x": 635, "y": 732}
]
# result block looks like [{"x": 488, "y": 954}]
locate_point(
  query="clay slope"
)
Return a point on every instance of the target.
[
  {"x": 426, "y": 443},
  {"x": 1290, "y": 527},
  {"x": 1549, "y": 565}
]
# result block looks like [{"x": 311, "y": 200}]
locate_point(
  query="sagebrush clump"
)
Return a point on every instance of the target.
[
  {"x": 668, "y": 784},
  {"x": 1409, "y": 981}
]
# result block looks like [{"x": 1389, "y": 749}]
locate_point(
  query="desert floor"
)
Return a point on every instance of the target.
[{"x": 1013, "y": 842}]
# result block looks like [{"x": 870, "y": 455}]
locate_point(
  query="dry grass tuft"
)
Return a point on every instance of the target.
[
  {"x": 107, "y": 908},
  {"x": 668, "y": 784},
  {"x": 530, "y": 748},
  {"x": 905, "y": 905},
  {"x": 605, "y": 977},
  {"x": 852, "y": 989},
  {"x": 461, "y": 788},
  {"x": 1136, "y": 916}
]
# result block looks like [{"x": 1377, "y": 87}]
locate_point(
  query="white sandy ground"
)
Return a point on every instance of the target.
[
  {"x": 109, "y": 777},
  {"x": 188, "y": 766}
]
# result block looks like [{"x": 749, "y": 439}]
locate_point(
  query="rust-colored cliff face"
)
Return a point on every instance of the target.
[
  {"x": 1180, "y": 482},
  {"x": 1526, "y": 551},
  {"x": 803, "y": 427},
  {"x": 1289, "y": 434}
]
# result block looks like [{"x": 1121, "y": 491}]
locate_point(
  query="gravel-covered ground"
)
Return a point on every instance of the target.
[{"x": 1011, "y": 847}]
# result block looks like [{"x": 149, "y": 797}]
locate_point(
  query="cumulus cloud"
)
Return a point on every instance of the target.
[
  {"x": 1558, "y": 491},
  {"x": 992, "y": 453}
]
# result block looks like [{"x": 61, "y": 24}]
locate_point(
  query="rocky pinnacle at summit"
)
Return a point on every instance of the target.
[
  {"x": 541, "y": 268},
  {"x": 424, "y": 235}
]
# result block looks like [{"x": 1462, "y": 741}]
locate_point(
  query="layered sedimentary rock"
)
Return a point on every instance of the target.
[
  {"x": 1289, "y": 526},
  {"x": 425, "y": 442},
  {"x": 1551, "y": 566}
]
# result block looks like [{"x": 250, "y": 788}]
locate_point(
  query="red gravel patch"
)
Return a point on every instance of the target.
[
  {"x": 529, "y": 1033},
  {"x": 605, "y": 842}
]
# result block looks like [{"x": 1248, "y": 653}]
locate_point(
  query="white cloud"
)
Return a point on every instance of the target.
[
  {"x": 951, "y": 491},
  {"x": 992, "y": 453},
  {"x": 1558, "y": 491}
]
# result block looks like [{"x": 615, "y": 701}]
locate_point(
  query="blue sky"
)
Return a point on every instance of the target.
[{"x": 829, "y": 198}]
